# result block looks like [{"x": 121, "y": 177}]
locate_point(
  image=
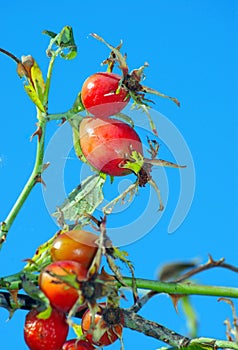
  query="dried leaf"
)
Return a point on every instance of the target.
[
  {"x": 164, "y": 163},
  {"x": 172, "y": 270},
  {"x": 155, "y": 92},
  {"x": 14, "y": 293},
  {"x": 84, "y": 199},
  {"x": 131, "y": 191},
  {"x": 120, "y": 58}
]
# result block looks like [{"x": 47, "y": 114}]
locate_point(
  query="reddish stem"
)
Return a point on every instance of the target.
[{"x": 10, "y": 55}]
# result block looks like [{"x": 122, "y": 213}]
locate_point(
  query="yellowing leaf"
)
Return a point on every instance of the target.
[
  {"x": 31, "y": 92},
  {"x": 38, "y": 81}
]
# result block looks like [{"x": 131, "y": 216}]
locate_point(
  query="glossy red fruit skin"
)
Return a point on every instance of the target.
[
  {"x": 48, "y": 334},
  {"x": 111, "y": 332},
  {"x": 99, "y": 95},
  {"x": 75, "y": 344},
  {"x": 108, "y": 143},
  {"x": 61, "y": 295},
  {"x": 76, "y": 245}
]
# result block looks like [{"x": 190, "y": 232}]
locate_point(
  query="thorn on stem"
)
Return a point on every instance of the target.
[
  {"x": 38, "y": 179},
  {"x": 37, "y": 133}
]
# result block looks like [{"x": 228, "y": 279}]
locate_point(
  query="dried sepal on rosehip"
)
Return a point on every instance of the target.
[
  {"x": 131, "y": 81},
  {"x": 113, "y": 147},
  {"x": 102, "y": 325}
]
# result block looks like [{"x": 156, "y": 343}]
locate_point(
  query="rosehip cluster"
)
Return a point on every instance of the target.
[
  {"x": 72, "y": 253},
  {"x": 107, "y": 143},
  {"x": 113, "y": 147}
]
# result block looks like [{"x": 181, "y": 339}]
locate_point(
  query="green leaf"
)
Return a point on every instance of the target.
[
  {"x": 70, "y": 279},
  {"x": 135, "y": 163},
  {"x": 84, "y": 199},
  {"x": 45, "y": 313},
  {"x": 41, "y": 258},
  {"x": 77, "y": 329},
  {"x": 63, "y": 40},
  {"x": 78, "y": 104},
  {"x": 33, "y": 291},
  {"x": 74, "y": 122}
]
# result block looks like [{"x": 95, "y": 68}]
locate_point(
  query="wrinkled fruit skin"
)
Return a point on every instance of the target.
[
  {"x": 76, "y": 245},
  {"x": 48, "y": 334},
  {"x": 108, "y": 143},
  {"x": 61, "y": 295},
  {"x": 110, "y": 332},
  {"x": 99, "y": 95},
  {"x": 73, "y": 344}
]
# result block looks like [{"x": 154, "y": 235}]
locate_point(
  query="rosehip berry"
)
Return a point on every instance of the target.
[
  {"x": 76, "y": 245},
  {"x": 62, "y": 296},
  {"x": 45, "y": 334},
  {"x": 101, "y": 95},
  {"x": 108, "y": 143}
]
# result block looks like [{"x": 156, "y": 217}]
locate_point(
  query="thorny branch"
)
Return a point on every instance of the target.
[{"x": 211, "y": 263}]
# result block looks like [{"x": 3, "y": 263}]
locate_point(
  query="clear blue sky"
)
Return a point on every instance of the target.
[{"x": 191, "y": 47}]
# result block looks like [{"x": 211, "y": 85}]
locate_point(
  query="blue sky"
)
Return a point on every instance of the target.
[{"x": 191, "y": 47}]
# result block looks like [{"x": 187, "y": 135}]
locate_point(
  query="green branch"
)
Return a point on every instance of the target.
[
  {"x": 33, "y": 179},
  {"x": 14, "y": 281},
  {"x": 38, "y": 91},
  {"x": 183, "y": 288}
]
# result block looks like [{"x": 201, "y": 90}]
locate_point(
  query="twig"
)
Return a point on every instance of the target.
[
  {"x": 153, "y": 329},
  {"x": 23, "y": 302},
  {"x": 142, "y": 301},
  {"x": 209, "y": 265}
]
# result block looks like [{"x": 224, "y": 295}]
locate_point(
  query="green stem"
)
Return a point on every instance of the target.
[
  {"x": 183, "y": 288},
  {"x": 57, "y": 116},
  {"x": 33, "y": 179},
  {"x": 13, "y": 281},
  {"x": 38, "y": 167},
  {"x": 48, "y": 78},
  {"x": 213, "y": 343}
]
